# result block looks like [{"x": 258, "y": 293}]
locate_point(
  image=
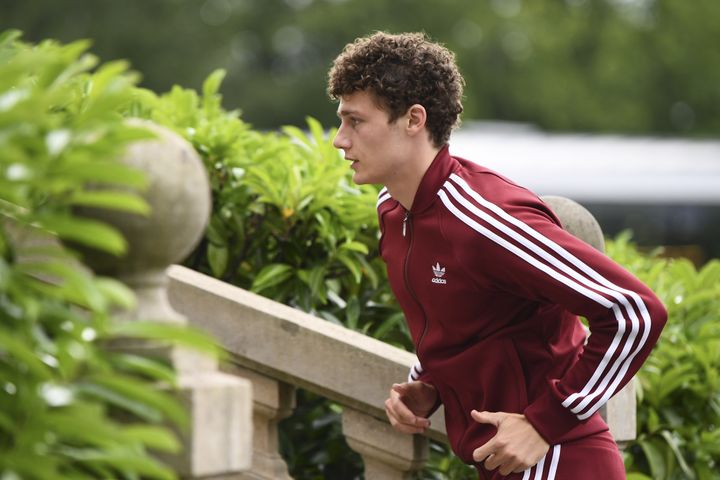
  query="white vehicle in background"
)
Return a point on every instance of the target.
[{"x": 666, "y": 190}]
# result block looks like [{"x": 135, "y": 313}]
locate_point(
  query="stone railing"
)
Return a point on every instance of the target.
[{"x": 279, "y": 349}]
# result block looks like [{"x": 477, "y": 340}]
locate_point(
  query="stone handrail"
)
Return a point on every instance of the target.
[{"x": 271, "y": 342}]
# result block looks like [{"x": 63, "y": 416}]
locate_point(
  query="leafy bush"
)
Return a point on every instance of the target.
[
  {"x": 63, "y": 388},
  {"x": 679, "y": 385}
]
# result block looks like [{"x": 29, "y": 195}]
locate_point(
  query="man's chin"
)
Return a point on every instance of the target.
[{"x": 359, "y": 179}]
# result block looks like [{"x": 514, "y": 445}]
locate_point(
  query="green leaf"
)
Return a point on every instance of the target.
[
  {"x": 127, "y": 202},
  {"x": 144, "y": 366},
  {"x": 673, "y": 443},
  {"x": 352, "y": 264},
  {"x": 103, "y": 172},
  {"x": 637, "y": 476},
  {"x": 218, "y": 259},
  {"x": 122, "y": 461},
  {"x": 352, "y": 313},
  {"x": 169, "y": 333},
  {"x": 91, "y": 233},
  {"x": 74, "y": 284},
  {"x": 137, "y": 406},
  {"x": 134, "y": 396},
  {"x": 116, "y": 293},
  {"x": 355, "y": 247},
  {"x": 654, "y": 457},
  {"x": 212, "y": 83},
  {"x": 158, "y": 438},
  {"x": 271, "y": 275},
  {"x": 20, "y": 352}
]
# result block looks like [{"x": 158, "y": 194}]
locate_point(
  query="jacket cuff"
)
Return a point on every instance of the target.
[
  {"x": 417, "y": 374},
  {"x": 551, "y": 420}
]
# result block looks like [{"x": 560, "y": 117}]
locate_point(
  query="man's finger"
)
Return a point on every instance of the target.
[
  {"x": 484, "y": 451},
  {"x": 401, "y": 411},
  {"x": 401, "y": 388},
  {"x": 491, "y": 418},
  {"x": 491, "y": 462},
  {"x": 403, "y": 427},
  {"x": 395, "y": 407}
]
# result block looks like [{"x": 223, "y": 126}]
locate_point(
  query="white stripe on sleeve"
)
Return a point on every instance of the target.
[{"x": 562, "y": 272}]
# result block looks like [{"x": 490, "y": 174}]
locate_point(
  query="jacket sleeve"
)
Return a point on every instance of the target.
[
  {"x": 624, "y": 316},
  {"x": 523, "y": 250}
]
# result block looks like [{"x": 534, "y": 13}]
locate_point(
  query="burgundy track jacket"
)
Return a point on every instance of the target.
[{"x": 491, "y": 286}]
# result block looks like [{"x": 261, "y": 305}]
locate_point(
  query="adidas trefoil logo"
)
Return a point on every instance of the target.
[{"x": 439, "y": 273}]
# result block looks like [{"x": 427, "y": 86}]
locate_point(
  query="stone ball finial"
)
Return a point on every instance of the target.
[
  {"x": 577, "y": 220},
  {"x": 179, "y": 197}
]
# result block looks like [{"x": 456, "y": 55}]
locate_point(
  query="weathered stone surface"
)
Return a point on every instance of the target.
[
  {"x": 577, "y": 220},
  {"x": 272, "y": 401},
  {"x": 387, "y": 454},
  {"x": 219, "y": 440},
  {"x": 178, "y": 193}
]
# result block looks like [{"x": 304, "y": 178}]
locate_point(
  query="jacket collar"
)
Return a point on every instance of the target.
[{"x": 440, "y": 168}]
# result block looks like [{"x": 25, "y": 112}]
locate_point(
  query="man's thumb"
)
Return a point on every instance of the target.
[
  {"x": 492, "y": 418},
  {"x": 400, "y": 388}
]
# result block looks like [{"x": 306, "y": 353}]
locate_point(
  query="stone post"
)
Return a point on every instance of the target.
[
  {"x": 387, "y": 454},
  {"x": 620, "y": 411},
  {"x": 218, "y": 442},
  {"x": 272, "y": 401}
]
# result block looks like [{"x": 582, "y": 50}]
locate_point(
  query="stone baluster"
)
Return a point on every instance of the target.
[
  {"x": 387, "y": 454},
  {"x": 218, "y": 443},
  {"x": 273, "y": 401}
]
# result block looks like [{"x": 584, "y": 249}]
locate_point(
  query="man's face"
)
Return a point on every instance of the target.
[{"x": 376, "y": 147}]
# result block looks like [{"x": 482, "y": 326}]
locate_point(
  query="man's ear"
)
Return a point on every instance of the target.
[{"x": 416, "y": 118}]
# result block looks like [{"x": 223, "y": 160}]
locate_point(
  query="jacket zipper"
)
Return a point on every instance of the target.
[{"x": 408, "y": 221}]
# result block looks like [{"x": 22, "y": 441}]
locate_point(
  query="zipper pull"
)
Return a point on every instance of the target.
[{"x": 407, "y": 215}]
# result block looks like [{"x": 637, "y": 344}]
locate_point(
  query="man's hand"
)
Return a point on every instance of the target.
[
  {"x": 515, "y": 447},
  {"x": 409, "y": 406}
]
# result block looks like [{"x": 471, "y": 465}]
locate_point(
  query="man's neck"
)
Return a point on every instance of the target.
[{"x": 404, "y": 188}]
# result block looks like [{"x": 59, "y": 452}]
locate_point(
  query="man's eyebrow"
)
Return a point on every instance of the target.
[{"x": 345, "y": 112}]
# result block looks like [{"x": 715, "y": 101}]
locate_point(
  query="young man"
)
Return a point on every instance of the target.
[{"x": 490, "y": 283}]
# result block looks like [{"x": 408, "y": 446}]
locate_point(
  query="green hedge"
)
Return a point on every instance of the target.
[{"x": 679, "y": 385}]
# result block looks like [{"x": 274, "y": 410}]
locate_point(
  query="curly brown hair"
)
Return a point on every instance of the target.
[{"x": 403, "y": 70}]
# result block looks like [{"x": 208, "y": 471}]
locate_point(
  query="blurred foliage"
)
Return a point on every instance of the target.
[
  {"x": 636, "y": 66},
  {"x": 72, "y": 405}
]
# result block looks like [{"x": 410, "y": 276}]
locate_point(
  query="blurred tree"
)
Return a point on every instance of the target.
[{"x": 636, "y": 66}]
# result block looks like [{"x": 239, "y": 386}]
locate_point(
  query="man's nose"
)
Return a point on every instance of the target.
[{"x": 340, "y": 141}]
